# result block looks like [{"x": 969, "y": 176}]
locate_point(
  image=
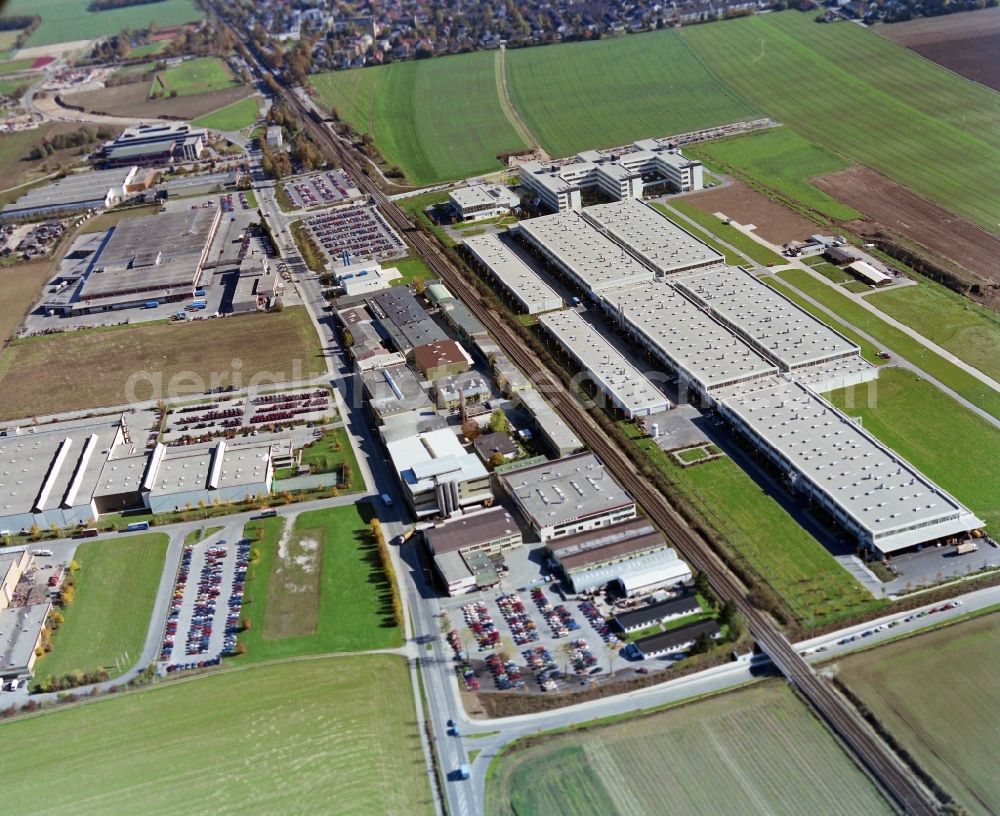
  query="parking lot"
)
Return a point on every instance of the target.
[
  {"x": 225, "y": 415},
  {"x": 331, "y": 187},
  {"x": 359, "y": 230},
  {"x": 204, "y": 614}
]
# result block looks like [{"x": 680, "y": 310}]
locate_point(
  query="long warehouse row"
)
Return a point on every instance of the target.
[{"x": 741, "y": 347}]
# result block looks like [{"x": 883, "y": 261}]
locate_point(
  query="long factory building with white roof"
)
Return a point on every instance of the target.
[
  {"x": 628, "y": 388},
  {"x": 526, "y": 286},
  {"x": 758, "y": 358}
]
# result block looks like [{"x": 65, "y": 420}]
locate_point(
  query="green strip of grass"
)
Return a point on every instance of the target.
[
  {"x": 236, "y": 116},
  {"x": 963, "y": 383},
  {"x": 355, "y": 611},
  {"x": 732, "y": 258},
  {"x": 950, "y": 444},
  {"x": 725, "y": 232},
  {"x": 109, "y": 616},
  {"x": 412, "y": 269},
  {"x": 816, "y": 588}
]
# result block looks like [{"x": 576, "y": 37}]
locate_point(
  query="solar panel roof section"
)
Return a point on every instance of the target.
[
  {"x": 704, "y": 351},
  {"x": 876, "y": 491},
  {"x": 627, "y": 386},
  {"x": 661, "y": 243},
  {"x": 592, "y": 259},
  {"x": 764, "y": 318}
]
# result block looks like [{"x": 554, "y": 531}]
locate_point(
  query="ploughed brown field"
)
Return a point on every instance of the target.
[
  {"x": 897, "y": 209},
  {"x": 966, "y": 43},
  {"x": 775, "y": 222},
  {"x": 132, "y": 100}
]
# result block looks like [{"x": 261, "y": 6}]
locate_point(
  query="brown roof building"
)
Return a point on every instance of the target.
[{"x": 442, "y": 358}]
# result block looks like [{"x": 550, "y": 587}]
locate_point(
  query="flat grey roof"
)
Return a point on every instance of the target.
[
  {"x": 552, "y": 424},
  {"x": 462, "y": 532},
  {"x": 566, "y": 489},
  {"x": 787, "y": 334},
  {"x": 874, "y": 486},
  {"x": 534, "y": 294},
  {"x": 615, "y": 375},
  {"x": 74, "y": 189},
  {"x": 19, "y": 629},
  {"x": 394, "y": 390},
  {"x": 660, "y": 242},
  {"x": 593, "y": 258},
  {"x": 483, "y": 194},
  {"x": 704, "y": 350}
]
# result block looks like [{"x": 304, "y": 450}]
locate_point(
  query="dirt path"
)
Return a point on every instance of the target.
[{"x": 511, "y": 112}]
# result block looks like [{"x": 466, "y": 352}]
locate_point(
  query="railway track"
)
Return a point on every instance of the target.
[{"x": 874, "y": 757}]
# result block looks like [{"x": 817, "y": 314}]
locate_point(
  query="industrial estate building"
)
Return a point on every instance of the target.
[
  {"x": 748, "y": 351},
  {"x": 629, "y": 390},
  {"x": 21, "y": 638},
  {"x": 483, "y": 201},
  {"x": 620, "y": 174},
  {"x": 673, "y": 640},
  {"x": 13, "y": 564},
  {"x": 78, "y": 192},
  {"x": 158, "y": 143},
  {"x": 461, "y": 547},
  {"x": 365, "y": 277},
  {"x": 568, "y": 496},
  {"x": 532, "y": 294},
  {"x": 634, "y": 620}
]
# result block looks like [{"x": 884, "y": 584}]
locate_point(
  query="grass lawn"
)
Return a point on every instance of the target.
[
  {"x": 896, "y": 341},
  {"x": 201, "y": 75},
  {"x": 937, "y": 694},
  {"x": 135, "y": 69},
  {"x": 330, "y": 452},
  {"x": 416, "y": 207},
  {"x": 68, "y": 20},
  {"x": 411, "y": 269},
  {"x": 924, "y": 127},
  {"x": 16, "y": 87},
  {"x": 830, "y": 271},
  {"x": 115, "y": 589},
  {"x": 732, "y": 258},
  {"x": 149, "y": 49},
  {"x": 781, "y": 160},
  {"x": 815, "y": 587},
  {"x": 601, "y": 94},
  {"x": 232, "y": 117},
  {"x": 868, "y": 350},
  {"x": 856, "y": 286},
  {"x": 755, "y": 751},
  {"x": 16, "y": 65},
  {"x": 436, "y": 119},
  {"x": 251, "y": 199},
  {"x": 959, "y": 453},
  {"x": 966, "y": 329},
  {"x": 347, "y": 608},
  {"x": 724, "y": 232},
  {"x": 42, "y": 375},
  {"x": 334, "y": 736},
  {"x": 20, "y": 284}
]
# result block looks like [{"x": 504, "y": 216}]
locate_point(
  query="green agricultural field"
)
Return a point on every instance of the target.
[
  {"x": 782, "y": 160},
  {"x": 755, "y": 751},
  {"x": 149, "y": 49},
  {"x": 349, "y": 601},
  {"x": 109, "y": 616},
  {"x": 201, "y": 75},
  {"x": 868, "y": 99},
  {"x": 896, "y": 341},
  {"x": 601, "y": 94},
  {"x": 16, "y": 65},
  {"x": 868, "y": 350},
  {"x": 15, "y": 87},
  {"x": 69, "y": 20},
  {"x": 232, "y": 117},
  {"x": 334, "y": 736},
  {"x": 937, "y": 694},
  {"x": 955, "y": 323},
  {"x": 908, "y": 414},
  {"x": 759, "y": 530},
  {"x": 758, "y": 253},
  {"x": 135, "y": 69},
  {"x": 435, "y": 119}
]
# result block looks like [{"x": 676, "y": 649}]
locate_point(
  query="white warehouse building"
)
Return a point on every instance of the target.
[
  {"x": 483, "y": 201},
  {"x": 532, "y": 294},
  {"x": 629, "y": 390}
]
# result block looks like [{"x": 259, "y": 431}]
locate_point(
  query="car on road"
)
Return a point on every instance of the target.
[{"x": 387, "y": 500}]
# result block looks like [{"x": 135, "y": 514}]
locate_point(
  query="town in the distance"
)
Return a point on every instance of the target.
[{"x": 499, "y": 409}]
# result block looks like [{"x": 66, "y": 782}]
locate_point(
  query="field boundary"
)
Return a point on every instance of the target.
[{"x": 503, "y": 93}]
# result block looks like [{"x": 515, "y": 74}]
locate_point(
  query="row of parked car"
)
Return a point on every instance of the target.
[
  {"x": 480, "y": 621},
  {"x": 521, "y": 626}
]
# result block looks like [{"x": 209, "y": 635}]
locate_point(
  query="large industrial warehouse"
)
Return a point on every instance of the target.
[
  {"x": 753, "y": 354},
  {"x": 532, "y": 294},
  {"x": 629, "y": 390}
]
